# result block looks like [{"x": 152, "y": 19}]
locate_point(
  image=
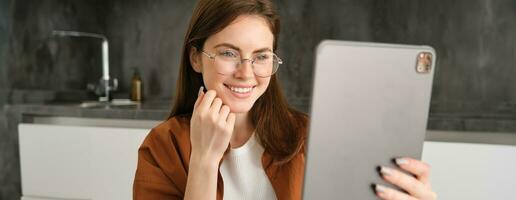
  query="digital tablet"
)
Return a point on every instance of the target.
[{"x": 370, "y": 104}]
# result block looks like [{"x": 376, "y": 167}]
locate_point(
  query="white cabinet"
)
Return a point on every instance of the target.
[
  {"x": 473, "y": 171},
  {"x": 78, "y": 162},
  {"x": 74, "y": 158}
]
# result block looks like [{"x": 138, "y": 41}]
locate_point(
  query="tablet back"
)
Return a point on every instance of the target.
[{"x": 370, "y": 104}]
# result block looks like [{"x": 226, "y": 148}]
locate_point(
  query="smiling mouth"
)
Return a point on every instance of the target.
[{"x": 240, "y": 90}]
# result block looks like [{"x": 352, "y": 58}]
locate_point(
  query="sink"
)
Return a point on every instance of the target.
[{"x": 113, "y": 103}]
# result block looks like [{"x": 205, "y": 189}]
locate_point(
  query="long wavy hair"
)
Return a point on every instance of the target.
[{"x": 278, "y": 127}]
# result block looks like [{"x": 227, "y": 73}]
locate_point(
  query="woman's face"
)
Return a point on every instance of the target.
[{"x": 247, "y": 36}]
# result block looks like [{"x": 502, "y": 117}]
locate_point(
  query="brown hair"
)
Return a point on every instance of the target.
[{"x": 279, "y": 128}]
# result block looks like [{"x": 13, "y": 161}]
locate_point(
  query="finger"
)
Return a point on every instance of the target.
[
  {"x": 215, "y": 106},
  {"x": 206, "y": 101},
  {"x": 416, "y": 167},
  {"x": 404, "y": 181},
  {"x": 199, "y": 97},
  {"x": 391, "y": 194},
  {"x": 223, "y": 114}
]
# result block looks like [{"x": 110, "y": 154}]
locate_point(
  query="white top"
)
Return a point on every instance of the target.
[{"x": 243, "y": 174}]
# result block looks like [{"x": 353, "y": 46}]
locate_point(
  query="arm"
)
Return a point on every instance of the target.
[
  {"x": 211, "y": 127},
  {"x": 202, "y": 179}
]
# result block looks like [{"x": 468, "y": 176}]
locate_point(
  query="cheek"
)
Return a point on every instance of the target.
[
  {"x": 211, "y": 79},
  {"x": 264, "y": 83}
]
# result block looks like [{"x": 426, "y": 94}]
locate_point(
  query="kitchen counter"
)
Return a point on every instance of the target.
[
  {"x": 469, "y": 128},
  {"x": 160, "y": 111},
  {"x": 143, "y": 111}
]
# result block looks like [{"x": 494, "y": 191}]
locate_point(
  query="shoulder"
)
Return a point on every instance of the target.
[
  {"x": 174, "y": 124},
  {"x": 175, "y": 127},
  {"x": 168, "y": 143},
  {"x": 163, "y": 159},
  {"x": 170, "y": 137}
]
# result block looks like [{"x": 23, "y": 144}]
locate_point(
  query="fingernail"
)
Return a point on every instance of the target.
[
  {"x": 385, "y": 171},
  {"x": 401, "y": 161},
  {"x": 200, "y": 91},
  {"x": 380, "y": 188}
]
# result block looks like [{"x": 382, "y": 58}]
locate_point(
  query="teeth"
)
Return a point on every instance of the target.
[{"x": 240, "y": 90}]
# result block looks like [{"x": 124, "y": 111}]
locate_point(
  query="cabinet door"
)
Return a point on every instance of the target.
[
  {"x": 114, "y": 158},
  {"x": 471, "y": 171},
  {"x": 78, "y": 162}
]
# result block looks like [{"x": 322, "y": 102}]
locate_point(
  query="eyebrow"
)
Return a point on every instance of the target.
[{"x": 238, "y": 49}]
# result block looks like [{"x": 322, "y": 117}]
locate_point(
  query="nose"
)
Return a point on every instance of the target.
[{"x": 245, "y": 69}]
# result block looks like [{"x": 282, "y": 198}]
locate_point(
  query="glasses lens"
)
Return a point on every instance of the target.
[
  {"x": 227, "y": 61},
  {"x": 266, "y": 64}
]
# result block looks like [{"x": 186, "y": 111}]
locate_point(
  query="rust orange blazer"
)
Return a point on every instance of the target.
[{"x": 163, "y": 161}]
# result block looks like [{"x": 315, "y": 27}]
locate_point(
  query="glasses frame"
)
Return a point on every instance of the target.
[{"x": 213, "y": 55}]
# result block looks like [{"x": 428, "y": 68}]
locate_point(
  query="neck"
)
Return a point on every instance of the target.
[{"x": 242, "y": 131}]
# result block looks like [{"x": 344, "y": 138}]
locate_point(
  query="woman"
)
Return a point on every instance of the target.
[{"x": 239, "y": 139}]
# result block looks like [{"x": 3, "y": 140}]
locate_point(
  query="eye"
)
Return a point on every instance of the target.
[
  {"x": 228, "y": 53},
  {"x": 263, "y": 56}
]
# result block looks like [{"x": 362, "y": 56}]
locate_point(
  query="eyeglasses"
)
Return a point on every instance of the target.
[{"x": 264, "y": 64}]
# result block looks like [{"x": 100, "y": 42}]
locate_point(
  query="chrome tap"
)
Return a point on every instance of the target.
[{"x": 106, "y": 83}]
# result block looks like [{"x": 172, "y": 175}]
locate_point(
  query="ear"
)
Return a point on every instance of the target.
[{"x": 195, "y": 60}]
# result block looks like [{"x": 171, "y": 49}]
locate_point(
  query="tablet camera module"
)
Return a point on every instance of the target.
[{"x": 424, "y": 62}]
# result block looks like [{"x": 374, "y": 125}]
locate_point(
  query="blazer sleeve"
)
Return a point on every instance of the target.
[{"x": 160, "y": 173}]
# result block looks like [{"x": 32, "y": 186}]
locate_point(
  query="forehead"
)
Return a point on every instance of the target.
[{"x": 246, "y": 32}]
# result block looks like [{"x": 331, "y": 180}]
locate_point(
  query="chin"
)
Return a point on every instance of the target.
[{"x": 240, "y": 107}]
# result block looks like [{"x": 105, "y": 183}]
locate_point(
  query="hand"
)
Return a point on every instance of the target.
[
  {"x": 211, "y": 128},
  {"x": 417, "y": 185}
]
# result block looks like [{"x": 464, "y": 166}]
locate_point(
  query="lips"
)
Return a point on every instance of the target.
[{"x": 240, "y": 91}]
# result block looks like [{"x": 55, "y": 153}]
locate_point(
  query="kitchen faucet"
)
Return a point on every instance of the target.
[{"x": 104, "y": 87}]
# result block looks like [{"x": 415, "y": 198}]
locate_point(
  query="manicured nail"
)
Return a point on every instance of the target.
[
  {"x": 401, "y": 161},
  {"x": 201, "y": 89},
  {"x": 380, "y": 188},
  {"x": 385, "y": 171}
]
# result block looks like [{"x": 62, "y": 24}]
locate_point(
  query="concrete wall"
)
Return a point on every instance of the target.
[
  {"x": 37, "y": 60},
  {"x": 8, "y": 187},
  {"x": 476, "y": 49},
  {"x": 149, "y": 35},
  {"x": 474, "y": 40},
  {"x": 5, "y": 26}
]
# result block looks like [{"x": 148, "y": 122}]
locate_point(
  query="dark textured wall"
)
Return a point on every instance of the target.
[
  {"x": 149, "y": 35},
  {"x": 476, "y": 49},
  {"x": 8, "y": 188},
  {"x": 474, "y": 41},
  {"x": 5, "y": 25},
  {"x": 38, "y": 60},
  {"x": 304, "y": 25}
]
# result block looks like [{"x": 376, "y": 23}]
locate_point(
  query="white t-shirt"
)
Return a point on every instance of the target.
[{"x": 243, "y": 174}]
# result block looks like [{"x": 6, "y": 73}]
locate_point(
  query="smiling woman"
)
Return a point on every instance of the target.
[
  {"x": 242, "y": 122},
  {"x": 240, "y": 139}
]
